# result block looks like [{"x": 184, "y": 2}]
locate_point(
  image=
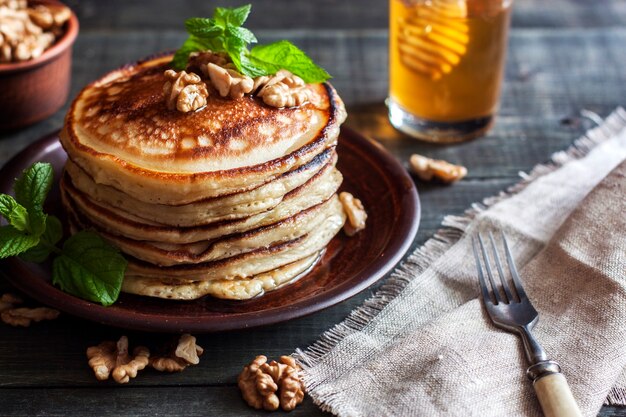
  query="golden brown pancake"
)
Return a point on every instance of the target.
[
  {"x": 232, "y": 200},
  {"x": 244, "y": 265},
  {"x": 233, "y": 289},
  {"x": 315, "y": 191},
  {"x": 168, "y": 254},
  {"x": 107, "y": 200},
  {"x": 120, "y": 133}
]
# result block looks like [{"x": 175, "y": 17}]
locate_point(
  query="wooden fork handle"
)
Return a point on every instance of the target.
[{"x": 555, "y": 397}]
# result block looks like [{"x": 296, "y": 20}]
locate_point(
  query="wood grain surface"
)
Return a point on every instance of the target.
[{"x": 564, "y": 56}]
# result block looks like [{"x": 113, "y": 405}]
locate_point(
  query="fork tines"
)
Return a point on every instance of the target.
[{"x": 507, "y": 296}]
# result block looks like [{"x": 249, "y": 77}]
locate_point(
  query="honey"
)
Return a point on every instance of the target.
[{"x": 447, "y": 57}]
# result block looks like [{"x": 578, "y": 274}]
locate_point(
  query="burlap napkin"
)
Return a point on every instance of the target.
[{"x": 424, "y": 346}]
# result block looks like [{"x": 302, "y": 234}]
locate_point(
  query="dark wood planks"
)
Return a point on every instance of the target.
[
  {"x": 546, "y": 86},
  {"x": 328, "y": 14},
  {"x": 552, "y": 73},
  {"x": 162, "y": 401}
]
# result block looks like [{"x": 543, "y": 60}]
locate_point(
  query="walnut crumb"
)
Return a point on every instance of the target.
[
  {"x": 111, "y": 358},
  {"x": 184, "y": 91},
  {"x": 427, "y": 169},
  {"x": 23, "y": 316},
  {"x": 356, "y": 213},
  {"x": 271, "y": 385},
  {"x": 185, "y": 353}
]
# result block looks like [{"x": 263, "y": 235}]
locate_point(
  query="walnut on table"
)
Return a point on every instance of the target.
[
  {"x": 184, "y": 91},
  {"x": 356, "y": 213},
  {"x": 427, "y": 169},
  {"x": 185, "y": 353},
  {"x": 271, "y": 385},
  {"x": 111, "y": 358},
  {"x": 23, "y": 316}
]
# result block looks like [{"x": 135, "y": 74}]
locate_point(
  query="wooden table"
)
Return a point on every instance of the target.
[{"x": 564, "y": 56}]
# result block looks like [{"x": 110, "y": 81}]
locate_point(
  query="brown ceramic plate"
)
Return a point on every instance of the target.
[{"x": 349, "y": 265}]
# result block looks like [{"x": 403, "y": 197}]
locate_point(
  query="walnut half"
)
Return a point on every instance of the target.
[
  {"x": 229, "y": 82},
  {"x": 284, "y": 89},
  {"x": 185, "y": 353},
  {"x": 271, "y": 385},
  {"x": 355, "y": 211},
  {"x": 111, "y": 358},
  {"x": 23, "y": 316},
  {"x": 427, "y": 169},
  {"x": 184, "y": 91}
]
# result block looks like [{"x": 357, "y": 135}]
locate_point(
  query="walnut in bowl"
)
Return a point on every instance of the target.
[{"x": 35, "y": 60}]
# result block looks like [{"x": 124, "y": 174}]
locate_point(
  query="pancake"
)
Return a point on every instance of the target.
[
  {"x": 247, "y": 264},
  {"x": 168, "y": 254},
  {"x": 231, "y": 200},
  {"x": 234, "y": 289},
  {"x": 108, "y": 200},
  {"x": 315, "y": 191},
  {"x": 120, "y": 133}
]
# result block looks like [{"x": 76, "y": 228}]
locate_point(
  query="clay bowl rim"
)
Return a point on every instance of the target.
[{"x": 58, "y": 48}]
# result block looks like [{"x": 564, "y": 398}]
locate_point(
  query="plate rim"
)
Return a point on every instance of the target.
[{"x": 407, "y": 225}]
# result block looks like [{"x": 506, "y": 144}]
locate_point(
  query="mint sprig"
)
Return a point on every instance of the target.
[
  {"x": 86, "y": 266},
  {"x": 224, "y": 33},
  {"x": 90, "y": 267}
]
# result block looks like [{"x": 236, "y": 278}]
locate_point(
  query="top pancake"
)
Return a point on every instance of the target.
[{"x": 120, "y": 131}]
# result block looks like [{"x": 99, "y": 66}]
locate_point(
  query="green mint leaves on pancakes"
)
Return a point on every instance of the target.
[{"x": 224, "y": 33}]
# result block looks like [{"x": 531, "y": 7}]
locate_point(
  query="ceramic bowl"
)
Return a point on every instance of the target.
[{"x": 33, "y": 90}]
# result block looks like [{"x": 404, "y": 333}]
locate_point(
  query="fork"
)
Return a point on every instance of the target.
[{"x": 511, "y": 310}]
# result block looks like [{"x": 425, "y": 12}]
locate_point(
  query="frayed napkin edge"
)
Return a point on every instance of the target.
[{"x": 452, "y": 229}]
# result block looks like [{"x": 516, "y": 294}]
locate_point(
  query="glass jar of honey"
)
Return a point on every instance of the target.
[{"x": 446, "y": 66}]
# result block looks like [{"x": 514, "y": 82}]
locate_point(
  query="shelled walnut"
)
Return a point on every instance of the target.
[
  {"x": 198, "y": 61},
  {"x": 111, "y": 358},
  {"x": 49, "y": 16},
  {"x": 355, "y": 211},
  {"x": 184, "y": 91},
  {"x": 229, "y": 82},
  {"x": 25, "y": 33},
  {"x": 284, "y": 89},
  {"x": 23, "y": 316},
  {"x": 427, "y": 169},
  {"x": 271, "y": 385},
  {"x": 185, "y": 353}
]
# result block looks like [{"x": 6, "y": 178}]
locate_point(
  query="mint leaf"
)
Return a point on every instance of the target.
[
  {"x": 285, "y": 55},
  {"x": 194, "y": 44},
  {"x": 203, "y": 27},
  {"x": 31, "y": 190},
  {"x": 47, "y": 241},
  {"x": 253, "y": 67},
  {"x": 233, "y": 17},
  {"x": 243, "y": 34},
  {"x": 14, "y": 212},
  {"x": 89, "y": 268},
  {"x": 224, "y": 33},
  {"x": 13, "y": 241}
]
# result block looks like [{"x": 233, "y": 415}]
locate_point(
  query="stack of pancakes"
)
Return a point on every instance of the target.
[{"x": 232, "y": 200}]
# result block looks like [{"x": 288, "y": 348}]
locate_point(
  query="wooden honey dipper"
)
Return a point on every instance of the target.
[{"x": 434, "y": 37}]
